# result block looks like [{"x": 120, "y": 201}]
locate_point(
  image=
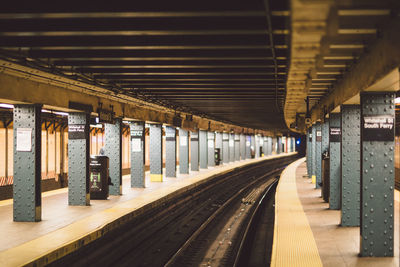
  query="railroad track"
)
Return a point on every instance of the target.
[
  {"x": 153, "y": 237},
  {"x": 224, "y": 234}
]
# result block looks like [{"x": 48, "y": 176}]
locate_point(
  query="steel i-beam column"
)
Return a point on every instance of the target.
[
  {"x": 155, "y": 146},
  {"x": 269, "y": 145},
  {"x": 313, "y": 158},
  {"x": 231, "y": 147},
  {"x": 113, "y": 150},
  {"x": 309, "y": 154},
  {"x": 183, "y": 151},
  {"x": 237, "y": 147},
  {"x": 225, "y": 147},
  {"x": 27, "y": 198},
  {"x": 253, "y": 143},
  {"x": 324, "y": 142},
  {"x": 211, "y": 147},
  {"x": 334, "y": 160},
  {"x": 218, "y": 144},
  {"x": 203, "y": 149},
  {"x": 78, "y": 159},
  {"x": 265, "y": 146},
  {"x": 274, "y": 145},
  {"x": 378, "y": 172},
  {"x": 350, "y": 165},
  {"x": 137, "y": 129},
  {"x": 318, "y": 155},
  {"x": 194, "y": 151},
  {"x": 242, "y": 146},
  {"x": 279, "y": 144},
  {"x": 257, "y": 146},
  {"x": 248, "y": 147},
  {"x": 170, "y": 155}
]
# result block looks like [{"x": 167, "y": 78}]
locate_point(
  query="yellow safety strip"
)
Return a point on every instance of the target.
[
  {"x": 156, "y": 177},
  {"x": 294, "y": 243}
]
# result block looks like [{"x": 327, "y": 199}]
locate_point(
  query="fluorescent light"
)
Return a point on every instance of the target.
[
  {"x": 55, "y": 112},
  {"x": 96, "y": 126},
  {"x": 3, "y": 105},
  {"x": 126, "y": 122},
  {"x": 97, "y": 119},
  {"x": 61, "y": 113}
]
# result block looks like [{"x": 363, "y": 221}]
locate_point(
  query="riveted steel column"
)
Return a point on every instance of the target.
[
  {"x": 170, "y": 155},
  {"x": 248, "y": 147},
  {"x": 155, "y": 146},
  {"x": 309, "y": 144},
  {"x": 265, "y": 146},
  {"x": 211, "y": 147},
  {"x": 194, "y": 151},
  {"x": 78, "y": 159},
  {"x": 325, "y": 136},
  {"x": 27, "y": 192},
  {"x": 279, "y": 144},
  {"x": 225, "y": 147},
  {"x": 318, "y": 155},
  {"x": 137, "y": 154},
  {"x": 203, "y": 149},
  {"x": 313, "y": 148},
  {"x": 377, "y": 176},
  {"x": 231, "y": 147},
  {"x": 274, "y": 144},
  {"x": 183, "y": 151},
  {"x": 256, "y": 146},
  {"x": 253, "y": 143},
  {"x": 242, "y": 146},
  {"x": 218, "y": 144},
  {"x": 350, "y": 164},
  {"x": 237, "y": 147},
  {"x": 334, "y": 161},
  {"x": 269, "y": 145},
  {"x": 113, "y": 150}
]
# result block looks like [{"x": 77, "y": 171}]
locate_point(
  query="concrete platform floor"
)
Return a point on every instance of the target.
[{"x": 337, "y": 246}]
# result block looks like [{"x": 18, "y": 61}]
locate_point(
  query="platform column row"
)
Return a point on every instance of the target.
[
  {"x": 183, "y": 151},
  {"x": 113, "y": 150},
  {"x": 27, "y": 201},
  {"x": 231, "y": 140},
  {"x": 170, "y": 155},
  {"x": 335, "y": 137},
  {"x": 350, "y": 168},
  {"x": 377, "y": 174},
  {"x": 137, "y": 131},
  {"x": 211, "y": 148}
]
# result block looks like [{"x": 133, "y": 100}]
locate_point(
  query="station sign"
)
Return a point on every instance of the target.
[
  {"x": 106, "y": 116},
  {"x": 378, "y": 128},
  {"x": 77, "y": 131},
  {"x": 335, "y": 134},
  {"x": 318, "y": 136}
]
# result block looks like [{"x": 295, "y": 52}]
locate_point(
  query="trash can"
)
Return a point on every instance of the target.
[
  {"x": 217, "y": 156},
  {"x": 325, "y": 176},
  {"x": 99, "y": 177}
]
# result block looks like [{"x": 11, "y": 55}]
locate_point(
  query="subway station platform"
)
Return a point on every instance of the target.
[
  {"x": 307, "y": 233},
  {"x": 64, "y": 228}
]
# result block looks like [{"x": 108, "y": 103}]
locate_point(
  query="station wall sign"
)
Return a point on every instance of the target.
[
  {"x": 378, "y": 128},
  {"x": 106, "y": 116},
  {"x": 318, "y": 136},
  {"x": 335, "y": 134},
  {"x": 77, "y": 131}
]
